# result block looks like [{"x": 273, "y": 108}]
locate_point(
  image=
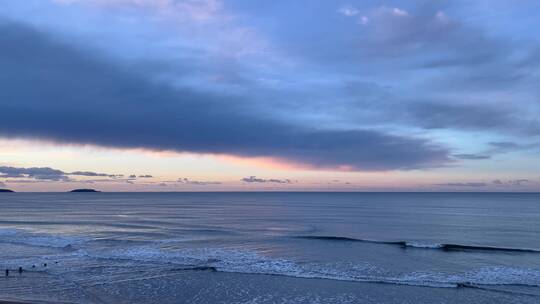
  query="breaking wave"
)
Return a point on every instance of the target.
[
  {"x": 235, "y": 261},
  {"x": 250, "y": 262},
  {"x": 412, "y": 244}
]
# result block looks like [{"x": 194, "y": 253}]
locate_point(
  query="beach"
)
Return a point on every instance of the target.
[{"x": 217, "y": 287}]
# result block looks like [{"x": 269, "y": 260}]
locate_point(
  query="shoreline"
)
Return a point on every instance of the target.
[{"x": 192, "y": 286}]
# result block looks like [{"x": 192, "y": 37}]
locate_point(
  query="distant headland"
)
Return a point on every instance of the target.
[
  {"x": 6, "y": 190},
  {"x": 84, "y": 190}
]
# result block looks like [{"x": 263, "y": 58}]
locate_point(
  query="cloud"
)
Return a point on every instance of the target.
[
  {"x": 399, "y": 12},
  {"x": 348, "y": 11},
  {"x": 89, "y": 173},
  {"x": 304, "y": 101},
  {"x": 44, "y": 173},
  {"x": 514, "y": 182},
  {"x": 364, "y": 20},
  {"x": 103, "y": 180},
  {"x": 497, "y": 148},
  {"x": 138, "y": 113},
  {"x": 133, "y": 176},
  {"x": 200, "y": 10},
  {"x": 422, "y": 58},
  {"x": 471, "y": 156},
  {"x": 498, "y": 182},
  {"x": 254, "y": 179},
  {"x": 187, "y": 181},
  {"x": 24, "y": 181},
  {"x": 451, "y": 115},
  {"x": 508, "y": 146},
  {"x": 464, "y": 115},
  {"x": 48, "y": 174},
  {"x": 519, "y": 182},
  {"x": 429, "y": 33},
  {"x": 468, "y": 184},
  {"x": 2, "y": 184},
  {"x": 145, "y": 176}
]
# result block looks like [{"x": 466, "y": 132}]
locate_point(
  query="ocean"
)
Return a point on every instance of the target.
[{"x": 270, "y": 247}]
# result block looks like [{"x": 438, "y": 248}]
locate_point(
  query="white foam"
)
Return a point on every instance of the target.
[
  {"x": 243, "y": 261},
  {"x": 423, "y": 245},
  {"x": 246, "y": 261},
  {"x": 492, "y": 275},
  {"x": 501, "y": 275}
]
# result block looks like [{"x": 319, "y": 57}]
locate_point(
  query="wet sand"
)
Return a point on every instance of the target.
[{"x": 187, "y": 286}]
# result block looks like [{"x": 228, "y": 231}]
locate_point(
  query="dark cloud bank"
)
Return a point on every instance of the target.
[{"x": 60, "y": 93}]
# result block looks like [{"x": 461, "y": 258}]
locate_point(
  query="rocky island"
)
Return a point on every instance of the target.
[
  {"x": 84, "y": 190},
  {"x": 6, "y": 190}
]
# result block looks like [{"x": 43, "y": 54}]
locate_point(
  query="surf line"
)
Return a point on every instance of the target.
[{"x": 406, "y": 244}]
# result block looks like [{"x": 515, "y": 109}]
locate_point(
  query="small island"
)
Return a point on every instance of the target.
[
  {"x": 84, "y": 190},
  {"x": 6, "y": 190}
]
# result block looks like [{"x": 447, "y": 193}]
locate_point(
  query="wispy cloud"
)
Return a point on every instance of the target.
[
  {"x": 200, "y": 10},
  {"x": 188, "y": 181},
  {"x": 472, "y": 156},
  {"x": 467, "y": 184},
  {"x": 254, "y": 179},
  {"x": 519, "y": 182},
  {"x": 348, "y": 11},
  {"x": 515, "y": 182},
  {"x": 497, "y": 183},
  {"x": 89, "y": 173},
  {"x": 508, "y": 146}
]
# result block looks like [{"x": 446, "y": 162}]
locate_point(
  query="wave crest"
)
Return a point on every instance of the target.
[{"x": 420, "y": 245}]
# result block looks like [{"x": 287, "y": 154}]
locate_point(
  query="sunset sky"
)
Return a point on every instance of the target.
[{"x": 243, "y": 95}]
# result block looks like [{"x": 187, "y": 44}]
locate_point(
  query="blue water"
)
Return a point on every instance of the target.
[{"x": 432, "y": 240}]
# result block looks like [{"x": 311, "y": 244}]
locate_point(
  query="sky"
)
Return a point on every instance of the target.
[{"x": 241, "y": 95}]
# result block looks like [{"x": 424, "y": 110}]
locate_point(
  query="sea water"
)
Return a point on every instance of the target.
[{"x": 434, "y": 241}]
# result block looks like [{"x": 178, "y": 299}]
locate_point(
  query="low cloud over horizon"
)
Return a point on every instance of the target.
[
  {"x": 50, "y": 174},
  {"x": 254, "y": 179}
]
